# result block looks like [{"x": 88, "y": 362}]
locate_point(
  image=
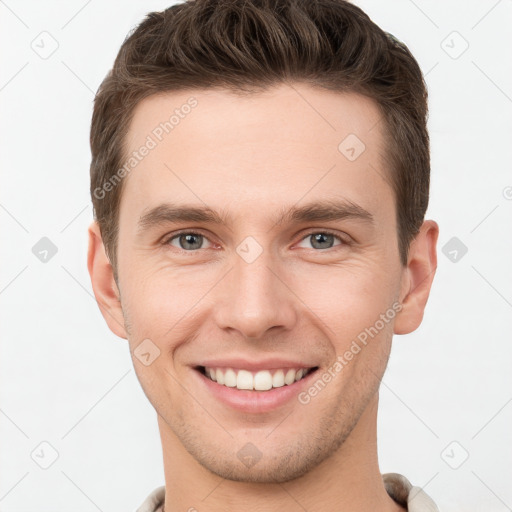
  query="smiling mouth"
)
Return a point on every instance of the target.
[{"x": 262, "y": 380}]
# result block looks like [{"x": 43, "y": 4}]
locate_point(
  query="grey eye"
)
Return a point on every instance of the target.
[
  {"x": 321, "y": 240},
  {"x": 188, "y": 241}
]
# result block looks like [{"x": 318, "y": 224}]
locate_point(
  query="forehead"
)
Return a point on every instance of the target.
[
  {"x": 205, "y": 111},
  {"x": 291, "y": 141}
]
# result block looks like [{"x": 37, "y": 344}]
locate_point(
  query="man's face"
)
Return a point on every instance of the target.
[{"x": 263, "y": 288}]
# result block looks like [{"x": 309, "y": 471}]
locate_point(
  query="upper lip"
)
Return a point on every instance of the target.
[{"x": 267, "y": 364}]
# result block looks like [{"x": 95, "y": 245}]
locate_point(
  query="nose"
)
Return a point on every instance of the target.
[{"x": 255, "y": 297}]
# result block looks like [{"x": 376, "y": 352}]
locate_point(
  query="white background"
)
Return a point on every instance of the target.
[{"x": 68, "y": 381}]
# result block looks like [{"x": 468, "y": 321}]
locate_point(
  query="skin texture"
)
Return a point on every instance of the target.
[{"x": 250, "y": 157}]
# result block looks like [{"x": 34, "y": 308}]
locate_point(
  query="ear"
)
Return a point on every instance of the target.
[
  {"x": 103, "y": 283},
  {"x": 417, "y": 278}
]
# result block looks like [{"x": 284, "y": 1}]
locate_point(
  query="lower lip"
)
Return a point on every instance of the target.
[{"x": 255, "y": 401}]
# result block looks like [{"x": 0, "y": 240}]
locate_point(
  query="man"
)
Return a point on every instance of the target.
[{"x": 260, "y": 175}]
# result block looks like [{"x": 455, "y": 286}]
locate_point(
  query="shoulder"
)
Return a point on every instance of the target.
[
  {"x": 415, "y": 499},
  {"x": 154, "y": 502}
]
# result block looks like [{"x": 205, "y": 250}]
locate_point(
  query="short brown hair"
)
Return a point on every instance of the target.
[{"x": 248, "y": 46}]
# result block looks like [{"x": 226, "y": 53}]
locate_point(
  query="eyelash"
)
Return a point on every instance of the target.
[{"x": 166, "y": 241}]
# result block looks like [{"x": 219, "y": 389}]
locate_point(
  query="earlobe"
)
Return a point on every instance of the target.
[
  {"x": 103, "y": 283},
  {"x": 417, "y": 278}
]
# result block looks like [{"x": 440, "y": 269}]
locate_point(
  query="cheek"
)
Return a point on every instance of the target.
[
  {"x": 349, "y": 299},
  {"x": 160, "y": 302}
]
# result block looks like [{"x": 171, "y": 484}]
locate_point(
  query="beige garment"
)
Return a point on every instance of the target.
[{"x": 413, "y": 498}]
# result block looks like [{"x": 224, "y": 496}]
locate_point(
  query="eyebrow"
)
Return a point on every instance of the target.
[{"x": 324, "y": 211}]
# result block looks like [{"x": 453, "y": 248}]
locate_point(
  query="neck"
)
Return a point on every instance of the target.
[{"x": 349, "y": 480}]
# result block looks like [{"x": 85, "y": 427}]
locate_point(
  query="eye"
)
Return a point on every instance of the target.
[
  {"x": 191, "y": 241},
  {"x": 323, "y": 239},
  {"x": 187, "y": 241}
]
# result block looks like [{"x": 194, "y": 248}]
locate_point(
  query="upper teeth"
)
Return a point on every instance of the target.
[{"x": 260, "y": 381}]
